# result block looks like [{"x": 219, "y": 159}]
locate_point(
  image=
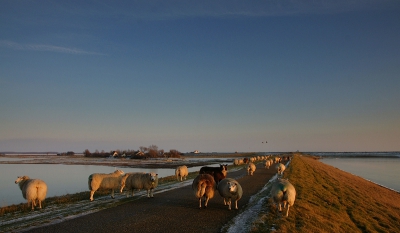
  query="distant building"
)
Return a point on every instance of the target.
[{"x": 196, "y": 151}]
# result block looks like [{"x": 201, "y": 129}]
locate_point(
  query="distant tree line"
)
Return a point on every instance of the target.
[{"x": 143, "y": 153}]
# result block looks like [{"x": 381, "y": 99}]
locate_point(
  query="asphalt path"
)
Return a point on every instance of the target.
[{"x": 175, "y": 211}]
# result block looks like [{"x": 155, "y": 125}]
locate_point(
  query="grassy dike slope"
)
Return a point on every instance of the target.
[{"x": 331, "y": 200}]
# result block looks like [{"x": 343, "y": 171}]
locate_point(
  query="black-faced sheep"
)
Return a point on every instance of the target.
[
  {"x": 230, "y": 189},
  {"x": 218, "y": 173},
  {"x": 146, "y": 181},
  {"x": 283, "y": 192},
  {"x": 181, "y": 172},
  {"x": 251, "y": 168},
  {"x": 204, "y": 187},
  {"x": 32, "y": 190},
  {"x": 280, "y": 167},
  {"x": 102, "y": 181}
]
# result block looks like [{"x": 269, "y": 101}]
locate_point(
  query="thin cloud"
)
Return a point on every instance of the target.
[{"x": 46, "y": 48}]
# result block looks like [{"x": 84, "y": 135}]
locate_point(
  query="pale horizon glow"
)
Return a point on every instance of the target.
[{"x": 213, "y": 76}]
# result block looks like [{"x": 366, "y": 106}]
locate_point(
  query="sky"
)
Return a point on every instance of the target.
[{"x": 213, "y": 76}]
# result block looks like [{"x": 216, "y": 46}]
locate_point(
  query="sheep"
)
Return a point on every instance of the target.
[
  {"x": 236, "y": 162},
  {"x": 283, "y": 191},
  {"x": 102, "y": 181},
  {"x": 280, "y": 168},
  {"x": 218, "y": 173},
  {"x": 181, "y": 172},
  {"x": 230, "y": 189},
  {"x": 251, "y": 168},
  {"x": 204, "y": 186},
  {"x": 147, "y": 181},
  {"x": 268, "y": 163},
  {"x": 32, "y": 190}
]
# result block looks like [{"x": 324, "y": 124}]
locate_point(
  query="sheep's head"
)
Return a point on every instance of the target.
[
  {"x": 153, "y": 176},
  {"x": 232, "y": 187},
  {"x": 224, "y": 167},
  {"x": 21, "y": 178}
]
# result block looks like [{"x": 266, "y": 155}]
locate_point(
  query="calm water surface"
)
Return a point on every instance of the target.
[
  {"x": 60, "y": 179},
  {"x": 383, "y": 171}
]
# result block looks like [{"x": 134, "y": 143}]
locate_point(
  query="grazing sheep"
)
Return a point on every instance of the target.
[
  {"x": 280, "y": 168},
  {"x": 146, "y": 181},
  {"x": 251, "y": 168},
  {"x": 230, "y": 189},
  {"x": 102, "y": 181},
  {"x": 32, "y": 190},
  {"x": 204, "y": 187},
  {"x": 283, "y": 191},
  {"x": 181, "y": 172}
]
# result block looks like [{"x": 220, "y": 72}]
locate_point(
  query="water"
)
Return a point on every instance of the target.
[
  {"x": 383, "y": 171},
  {"x": 60, "y": 179}
]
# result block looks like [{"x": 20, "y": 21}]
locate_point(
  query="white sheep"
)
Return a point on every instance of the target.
[
  {"x": 283, "y": 191},
  {"x": 280, "y": 167},
  {"x": 32, "y": 190},
  {"x": 268, "y": 163},
  {"x": 181, "y": 172},
  {"x": 230, "y": 189},
  {"x": 251, "y": 168},
  {"x": 204, "y": 187},
  {"x": 100, "y": 181},
  {"x": 146, "y": 181},
  {"x": 236, "y": 162}
]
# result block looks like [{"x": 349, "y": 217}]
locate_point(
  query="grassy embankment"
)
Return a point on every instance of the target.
[{"x": 330, "y": 200}]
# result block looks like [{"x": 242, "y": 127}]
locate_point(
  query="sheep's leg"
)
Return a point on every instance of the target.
[
  {"x": 280, "y": 207},
  {"x": 152, "y": 192},
  {"x": 229, "y": 203},
  {"x": 225, "y": 203},
  {"x": 200, "y": 202},
  {"x": 236, "y": 206},
  {"x": 91, "y": 195},
  {"x": 206, "y": 202},
  {"x": 112, "y": 193},
  {"x": 287, "y": 211},
  {"x": 31, "y": 204},
  {"x": 148, "y": 192},
  {"x": 40, "y": 204}
]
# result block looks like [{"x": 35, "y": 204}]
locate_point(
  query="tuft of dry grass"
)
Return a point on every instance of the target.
[{"x": 330, "y": 200}]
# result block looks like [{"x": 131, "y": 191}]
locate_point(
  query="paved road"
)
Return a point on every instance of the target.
[{"x": 171, "y": 211}]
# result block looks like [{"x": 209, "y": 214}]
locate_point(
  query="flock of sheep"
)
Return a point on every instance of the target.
[{"x": 204, "y": 185}]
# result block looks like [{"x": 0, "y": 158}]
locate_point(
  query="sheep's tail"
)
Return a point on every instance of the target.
[{"x": 201, "y": 188}]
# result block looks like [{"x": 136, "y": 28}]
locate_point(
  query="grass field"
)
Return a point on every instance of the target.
[{"x": 330, "y": 200}]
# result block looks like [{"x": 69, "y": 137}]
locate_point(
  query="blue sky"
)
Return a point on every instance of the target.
[{"x": 200, "y": 75}]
